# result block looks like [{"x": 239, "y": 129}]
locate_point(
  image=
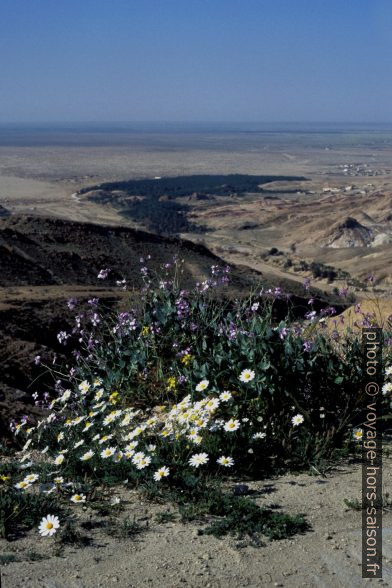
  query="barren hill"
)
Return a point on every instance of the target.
[{"x": 45, "y": 261}]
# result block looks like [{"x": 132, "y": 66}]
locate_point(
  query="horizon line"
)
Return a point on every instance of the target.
[{"x": 189, "y": 121}]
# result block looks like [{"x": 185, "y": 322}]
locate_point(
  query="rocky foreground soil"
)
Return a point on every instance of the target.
[{"x": 175, "y": 555}]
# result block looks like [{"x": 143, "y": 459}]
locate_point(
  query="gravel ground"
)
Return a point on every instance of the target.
[{"x": 175, "y": 555}]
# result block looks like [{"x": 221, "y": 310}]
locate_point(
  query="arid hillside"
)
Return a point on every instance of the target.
[
  {"x": 335, "y": 231},
  {"x": 46, "y": 261}
]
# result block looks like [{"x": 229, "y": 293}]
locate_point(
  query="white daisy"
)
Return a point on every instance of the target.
[
  {"x": 163, "y": 472},
  {"x": 84, "y": 387},
  {"x": 59, "y": 459},
  {"x": 358, "y": 434},
  {"x": 88, "y": 455},
  {"x": 202, "y": 385},
  {"x": 225, "y": 396},
  {"x": 104, "y": 438},
  {"x": 259, "y": 436},
  {"x": 98, "y": 394},
  {"x": 247, "y": 375},
  {"x": 22, "y": 485},
  {"x": 198, "y": 459},
  {"x": 297, "y": 419},
  {"x": 227, "y": 462},
  {"x": 77, "y": 498},
  {"x": 387, "y": 388},
  {"x": 232, "y": 425},
  {"x": 108, "y": 452},
  {"x": 143, "y": 462},
  {"x": 31, "y": 478},
  {"x": 212, "y": 404},
  {"x": 48, "y": 526}
]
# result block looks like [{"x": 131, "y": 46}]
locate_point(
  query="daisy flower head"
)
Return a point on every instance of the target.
[
  {"x": 163, "y": 472},
  {"x": 387, "y": 388},
  {"x": 203, "y": 385},
  {"x": 247, "y": 376},
  {"x": 259, "y": 435},
  {"x": 388, "y": 371},
  {"x": 118, "y": 456},
  {"x": 297, "y": 419},
  {"x": 232, "y": 425},
  {"x": 22, "y": 485},
  {"x": 225, "y": 396},
  {"x": 84, "y": 387},
  {"x": 197, "y": 439},
  {"x": 357, "y": 434},
  {"x": 198, "y": 459},
  {"x": 108, "y": 452},
  {"x": 59, "y": 459},
  {"x": 143, "y": 462},
  {"x": 58, "y": 480},
  {"x": 226, "y": 462},
  {"x": 78, "y": 498},
  {"x": 78, "y": 444},
  {"x": 98, "y": 395},
  {"x": 212, "y": 404},
  {"x": 88, "y": 455},
  {"x": 31, "y": 478},
  {"x": 139, "y": 455},
  {"x": 48, "y": 526},
  {"x": 104, "y": 438}
]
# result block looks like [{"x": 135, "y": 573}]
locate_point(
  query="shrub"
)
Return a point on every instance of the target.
[{"x": 190, "y": 386}]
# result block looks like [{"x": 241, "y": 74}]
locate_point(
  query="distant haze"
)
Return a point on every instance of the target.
[{"x": 195, "y": 60}]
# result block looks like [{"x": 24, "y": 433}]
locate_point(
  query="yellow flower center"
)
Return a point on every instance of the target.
[{"x": 49, "y": 525}]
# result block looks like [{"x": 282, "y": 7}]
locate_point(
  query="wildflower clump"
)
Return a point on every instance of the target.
[{"x": 191, "y": 383}]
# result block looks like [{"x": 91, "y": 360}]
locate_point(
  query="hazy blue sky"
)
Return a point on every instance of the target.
[{"x": 209, "y": 60}]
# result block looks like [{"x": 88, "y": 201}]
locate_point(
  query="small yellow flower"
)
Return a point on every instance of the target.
[
  {"x": 5, "y": 478},
  {"x": 171, "y": 383},
  {"x": 186, "y": 359},
  {"x": 145, "y": 331},
  {"x": 113, "y": 397}
]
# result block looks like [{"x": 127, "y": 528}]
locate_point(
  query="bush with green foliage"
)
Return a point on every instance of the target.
[{"x": 190, "y": 387}]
